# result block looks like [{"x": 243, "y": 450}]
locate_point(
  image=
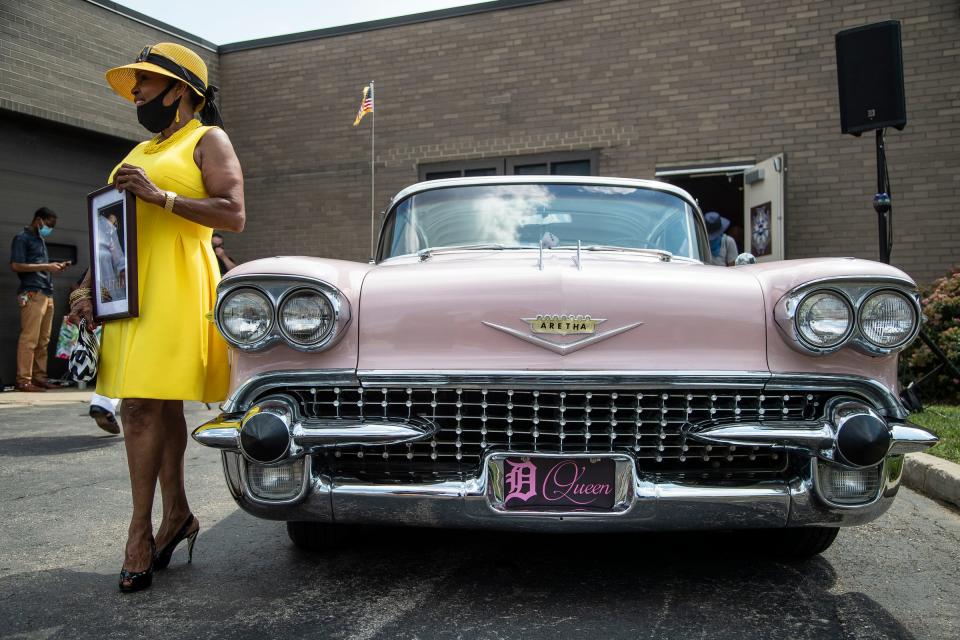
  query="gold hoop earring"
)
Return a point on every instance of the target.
[{"x": 177, "y": 117}]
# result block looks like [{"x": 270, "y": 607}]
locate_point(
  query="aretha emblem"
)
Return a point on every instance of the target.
[{"x": 562, "y": 325}]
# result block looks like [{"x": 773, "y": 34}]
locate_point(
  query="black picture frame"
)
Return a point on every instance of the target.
[{"x": 112, "y": 224}]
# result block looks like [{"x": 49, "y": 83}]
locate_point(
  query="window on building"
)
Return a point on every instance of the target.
[{"x": 568, "y": 163}]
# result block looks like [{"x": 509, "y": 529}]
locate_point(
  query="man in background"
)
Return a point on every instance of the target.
[
  {"x": 225, "y": 261},
  {"x": 31, "y": 262}
]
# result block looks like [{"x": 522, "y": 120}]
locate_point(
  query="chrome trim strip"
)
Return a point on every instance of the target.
[
  {"x": 870, "y": 279},
  {"x": 562, "y": 349},
  {"x": 231, "y": 471},
  {"x": 343, "y": 433},
  {"x": 221, "y": 432},
  {"x": 240, "y": 399},
  {"x": 430, "y": 185},
  {"x": 558, "y": 379},
  {"x": 219, "y": 438},
  {"x": 909, "y": 438},
  {"x": 808, "y": 437},
  {"x": 655, "y": 506}
]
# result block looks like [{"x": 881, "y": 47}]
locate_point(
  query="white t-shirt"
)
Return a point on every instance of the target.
[{"x": 728, "y": 252}]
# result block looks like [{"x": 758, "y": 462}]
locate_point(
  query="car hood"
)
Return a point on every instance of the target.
[{"x": 477, "y": 311}]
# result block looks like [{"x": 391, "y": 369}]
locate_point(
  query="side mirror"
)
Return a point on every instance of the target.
[{"x": 745, "y": 258}]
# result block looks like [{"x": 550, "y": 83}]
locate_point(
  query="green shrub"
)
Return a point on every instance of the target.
[{"x": 941, "y": 306}]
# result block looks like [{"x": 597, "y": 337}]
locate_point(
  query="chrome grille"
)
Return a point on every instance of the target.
[{"x": 646, "y": 423}]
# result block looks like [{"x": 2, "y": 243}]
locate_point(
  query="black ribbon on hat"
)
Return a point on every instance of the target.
[{"x": 209, "y": 114}]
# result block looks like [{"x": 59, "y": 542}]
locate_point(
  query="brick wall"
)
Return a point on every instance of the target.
[
  {"x": 53, "y": 55},
  {"x": 648, "y": 85}
]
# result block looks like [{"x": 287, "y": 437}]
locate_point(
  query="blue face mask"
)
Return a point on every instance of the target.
[
  {"x": 716, "y": 244},
  {"x": 45, "y": 230}
]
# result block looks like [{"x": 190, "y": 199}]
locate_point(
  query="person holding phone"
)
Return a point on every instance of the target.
[{"x": 30, "y": 260}]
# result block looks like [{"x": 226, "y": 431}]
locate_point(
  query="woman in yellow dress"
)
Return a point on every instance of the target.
[{"x": 187, "y": 181}]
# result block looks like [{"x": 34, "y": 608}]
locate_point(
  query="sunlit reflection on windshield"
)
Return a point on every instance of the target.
[{"x": 528, "y": 215}]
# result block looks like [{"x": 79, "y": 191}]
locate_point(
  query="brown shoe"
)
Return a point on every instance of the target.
[
  {"x": 45, "y": 384},
  {"x": 29, "y": 387}
]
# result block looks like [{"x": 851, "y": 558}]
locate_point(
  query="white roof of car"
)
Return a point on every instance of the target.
[{"x": 430, "y": 185}]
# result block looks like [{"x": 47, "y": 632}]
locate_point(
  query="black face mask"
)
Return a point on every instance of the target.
[{"x": 156, "y": 117}]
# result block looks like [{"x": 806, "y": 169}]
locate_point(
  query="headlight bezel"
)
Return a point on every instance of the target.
[
  {"x": 277, "y": 288},
  {"x": 855, "y": 291}
]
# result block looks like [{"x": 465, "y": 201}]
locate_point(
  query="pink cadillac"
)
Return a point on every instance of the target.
[{"x": 551, "y": 353}]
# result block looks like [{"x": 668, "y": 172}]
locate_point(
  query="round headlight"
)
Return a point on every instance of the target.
[
  {"x": 306, "y": 317},
  {"x": 824, "y": 319},
  {"x": 246, "y": 316},
  {"x": 887, "y": 319}
]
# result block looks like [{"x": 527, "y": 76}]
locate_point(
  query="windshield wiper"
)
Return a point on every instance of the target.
[
  {"x": 664, "y": 255},
  {"x": 426, "y": 254}
]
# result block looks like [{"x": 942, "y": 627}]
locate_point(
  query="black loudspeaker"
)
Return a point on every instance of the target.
[{"x": 870, "y": 78}]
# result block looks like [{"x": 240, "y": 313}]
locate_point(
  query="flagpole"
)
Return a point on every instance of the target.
[{"x": 373, "y": 129}]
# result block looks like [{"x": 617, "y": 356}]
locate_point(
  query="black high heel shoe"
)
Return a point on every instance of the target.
[
  {"x": 131, "y": 581},
  {"x": 162, "y": 558}
]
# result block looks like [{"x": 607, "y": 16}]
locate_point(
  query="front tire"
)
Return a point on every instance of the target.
[
  {"x": 801, "y": 543},
  {"x": 315, "y": 536}
]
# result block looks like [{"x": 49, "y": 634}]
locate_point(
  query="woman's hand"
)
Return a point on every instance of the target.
[
  {"x": 134, "y": 179},
  {"x": 83, "y": 309}
]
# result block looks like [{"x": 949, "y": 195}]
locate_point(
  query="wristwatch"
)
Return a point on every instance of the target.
[{"x": 171, "y": 197}]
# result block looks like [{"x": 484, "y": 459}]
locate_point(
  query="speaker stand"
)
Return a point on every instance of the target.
[{"x": 882, "y": 202}]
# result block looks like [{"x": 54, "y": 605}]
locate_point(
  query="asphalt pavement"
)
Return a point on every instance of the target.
[{"x": 64, "y": 503}]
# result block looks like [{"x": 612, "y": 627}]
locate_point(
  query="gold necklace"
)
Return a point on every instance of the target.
[{"x": 156, "y": 144}]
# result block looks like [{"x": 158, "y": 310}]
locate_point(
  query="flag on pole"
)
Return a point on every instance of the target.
[{"x": 366, "y": 105}]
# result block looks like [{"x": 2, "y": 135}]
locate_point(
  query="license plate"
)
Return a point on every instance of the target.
[{"x": 559, "y": 484}]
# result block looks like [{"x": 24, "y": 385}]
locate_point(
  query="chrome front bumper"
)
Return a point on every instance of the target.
[{"x": 643, "y": 504}]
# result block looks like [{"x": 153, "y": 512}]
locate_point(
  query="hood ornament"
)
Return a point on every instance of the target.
[{"x": 563, "y": 326}]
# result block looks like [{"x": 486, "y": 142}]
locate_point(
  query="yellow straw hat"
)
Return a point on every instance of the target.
[
  {"x": 174, "y": 61},
  {"x": 168, "y": 59}
]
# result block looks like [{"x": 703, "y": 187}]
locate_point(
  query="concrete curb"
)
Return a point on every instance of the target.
[{"x": 933, "y": 477}]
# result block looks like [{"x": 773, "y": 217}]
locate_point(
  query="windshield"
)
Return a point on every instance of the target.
[{"x": 512, "y": 216}]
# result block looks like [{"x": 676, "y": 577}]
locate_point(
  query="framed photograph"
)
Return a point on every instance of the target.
[
  {"x": 112, "y": 219},
  {"x": 761, "y": 229}
]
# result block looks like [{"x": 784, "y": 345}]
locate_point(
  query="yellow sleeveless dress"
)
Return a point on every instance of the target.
[{"x": 171, "y": 351}]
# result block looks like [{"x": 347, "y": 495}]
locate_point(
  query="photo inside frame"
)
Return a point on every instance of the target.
[{"x": 110, "y": 261}]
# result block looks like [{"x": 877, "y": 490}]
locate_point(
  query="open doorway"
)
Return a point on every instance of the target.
[
  {"x": 720, "y": 191},
  {"x": 751, "y": 196}
]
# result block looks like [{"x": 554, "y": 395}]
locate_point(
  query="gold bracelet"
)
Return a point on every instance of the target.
[{"x": 171, "y": 198}]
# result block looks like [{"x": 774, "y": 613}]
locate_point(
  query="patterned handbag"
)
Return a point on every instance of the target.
[{"x": 86, "y": 353}]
